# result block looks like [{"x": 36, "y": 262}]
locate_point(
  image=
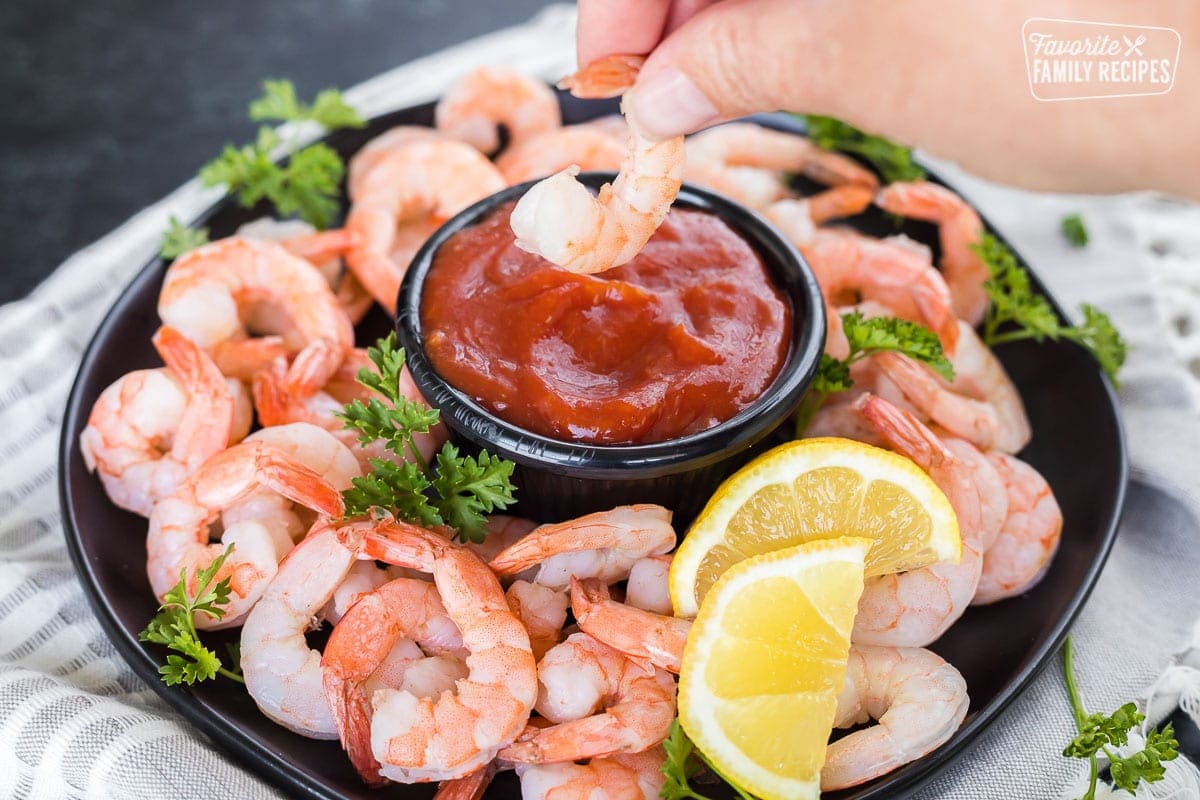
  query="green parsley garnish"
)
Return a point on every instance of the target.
[
  {"x": 894, "y": 161},
  {"x": 1099, "y": 733},
  {"x": 174, "y": 626},
  {"x": 868, "y": 336},
  {"x": 682, "y": 764},
  {"x": 179, "y": 238},
  {"x": 307, "y": 184},
  {"x": 462, "y": 489},
  {"x": 1073, "y": 230},
  {"x": 1030, "y": 316}
]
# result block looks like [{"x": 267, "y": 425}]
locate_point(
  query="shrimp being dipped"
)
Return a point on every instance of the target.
[
  {"x": 914, "y": 608},
  {"x": 959, "y": 228},
  {"x": 178, "y": 539},
  {"x": 602, "y": 702},
  {"x": 408, "y": 192},
  {"x": 417, "y": 739},
  {"x": 152, "y": 428},
  {"x": 1021, "y": 554},
  {"x": 562, "y": 221},
  {"x": 624, "y": 776},
  {"x": 602, "y": 545},
  {"x": 917, "y": 699},
  {"x": 981, "y": 405},
  {"x": 482, "y": 100},
  {"x": 223, "y": 295}
]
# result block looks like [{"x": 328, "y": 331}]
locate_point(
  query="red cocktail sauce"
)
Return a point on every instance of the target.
[{"x": 681, "y": 338}]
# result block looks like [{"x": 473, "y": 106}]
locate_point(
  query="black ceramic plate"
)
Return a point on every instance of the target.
[{"x": 1077, "y": 445}]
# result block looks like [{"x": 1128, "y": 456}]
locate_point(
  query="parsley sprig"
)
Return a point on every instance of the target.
[
  {"x": 179, "y": 238},
  {"x": 308, "y": 182},
  {"x": 175, "y": 626},
  {"x": 682, "y": 764},
  {"x": 1099, "y": 733},
  {"x": 457, "y": 491},
  {"x": 894, "y": 161},
  {"x": 1073, "y": 230},
  {"x": 866, "y": 337},
  {"x": 1024, "y": 314}
]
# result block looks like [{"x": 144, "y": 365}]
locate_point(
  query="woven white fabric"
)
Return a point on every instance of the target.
[{"x": 75, "y": 722}]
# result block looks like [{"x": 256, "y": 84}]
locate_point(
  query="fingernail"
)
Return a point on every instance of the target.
[{"x": 667, "y": 103}]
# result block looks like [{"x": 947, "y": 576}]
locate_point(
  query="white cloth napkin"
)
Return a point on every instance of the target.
[{"x": 75, "y": 722}]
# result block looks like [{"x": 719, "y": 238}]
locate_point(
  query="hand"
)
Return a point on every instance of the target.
[{"x": 943, "y": 75}]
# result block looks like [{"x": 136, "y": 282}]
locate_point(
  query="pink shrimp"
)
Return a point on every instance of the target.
[
  {"x": 487, "y": 97},
  {"x": 981, "y": 405},
  {"x": 959, "y": 227},
  {"x": 918, "y": 700},
  {"x": 745, "y": 144},
  {"x": 624, "y": 776},
  {"x": 178, "y": 540},
  {"x": 602, "y": 545},
  {"x": 420, "y": 184},
  {"x": 543, "y": 612},
  {"x": 850, "y": 266},
  {"x": 584, "y": 146},
  {"x": 644, "y": 636},
  {"x": 224, "y": 294},
  {"x": 562, "y": 221},
  {"x": 417, "y": 739},
  {"x": 602, "y": 703},
  {"x": 371, "y": 153},
  {"x": 915, "y": 608},
  {"x": 152, "y": 428},
  {"x": 1029, "y": 538}
]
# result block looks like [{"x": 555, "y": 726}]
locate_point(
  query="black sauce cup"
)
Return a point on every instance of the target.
[{"x": 557, "y": 479}]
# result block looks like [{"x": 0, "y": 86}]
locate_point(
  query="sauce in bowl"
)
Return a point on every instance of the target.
[{"x": 680, "y": 339}]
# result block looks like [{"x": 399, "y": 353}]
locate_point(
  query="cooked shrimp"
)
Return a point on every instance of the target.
[
  {"x": 624, "y": 776},
  {"x": 1021, "y": 554},
  {"x": 648, "y": 588},
  {"x": 469, "y": 787},
  {"x": 224, "y": 293},
  {"x": 402, "y": 609},
  {"x": 982, "y": 405},
  {"x": 993, "y": 496},
  {"x": 917, "y": 699},
  {"x": 602, "y": 545},
  {"x": 420, "y": 184},
  {"x": 561, "y": 220},
  {"x": 276, "y": 406},
  {"x": 644, "y": 636},
  {"x": 178, "y": 539},
  {"x": 364, "y": 577},
  {"x": 370, "y": 154},
  {"x": 745, "y": 144},
  {"x": 502, "y": 532},
  {"x": 152, "y": 428},
  {"x": 428, "y": 739},
  {"x": 283, "y": 674},
  {"x": 850, "y": 266},
  {"x": 914, "y": 608},
  {"x": 751, "y": 186},
  {"x": 584, "y": 146},
  {"x": 485, "y": 98},
  {"x": 601, "y": 701},
  {"x": 959, "y": 228},
  {"x": 322, "y": 249},
  {"x": 311, "y": 446},
  {"x": 543, "y": 612},
  {"x": 798, "y": 218}
]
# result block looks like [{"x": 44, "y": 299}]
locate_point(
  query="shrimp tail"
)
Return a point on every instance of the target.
[
  {"x": 314, "y": 365},
  {"x": 299, "y": 483},
  {"x": 646, "y": 639},
  {"x": 322, "y": 245},
  {"x": 205, "y": 427},
  {"x": 591, "y": 532},
  {"x": 605, "y": 77},
  {"x": 242, "y": 358},
  {"x": 271, "y": 400}
]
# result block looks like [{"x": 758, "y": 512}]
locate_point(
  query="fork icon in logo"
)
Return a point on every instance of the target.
[{"x": 1132, "y": 47}]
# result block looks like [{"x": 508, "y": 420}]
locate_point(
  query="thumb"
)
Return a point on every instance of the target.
[{"x": 733, "y": 58}]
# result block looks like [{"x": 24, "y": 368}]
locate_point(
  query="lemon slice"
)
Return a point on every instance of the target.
[
  {"x": 817, "y": 489},
  {"x": 765, "y": 661}
]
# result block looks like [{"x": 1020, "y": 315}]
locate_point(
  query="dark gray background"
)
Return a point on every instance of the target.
[{"x": 109, "y": 105}]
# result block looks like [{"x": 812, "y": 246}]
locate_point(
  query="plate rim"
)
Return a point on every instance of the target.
[{"x": 250, "y": 752}]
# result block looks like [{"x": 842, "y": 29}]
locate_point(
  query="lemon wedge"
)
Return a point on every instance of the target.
[
  {"x": 817, "y": 489},
  {"x": 765, "y": 661}
]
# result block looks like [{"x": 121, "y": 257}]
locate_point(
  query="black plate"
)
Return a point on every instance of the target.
[{"x": 1078, "y": 445}]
